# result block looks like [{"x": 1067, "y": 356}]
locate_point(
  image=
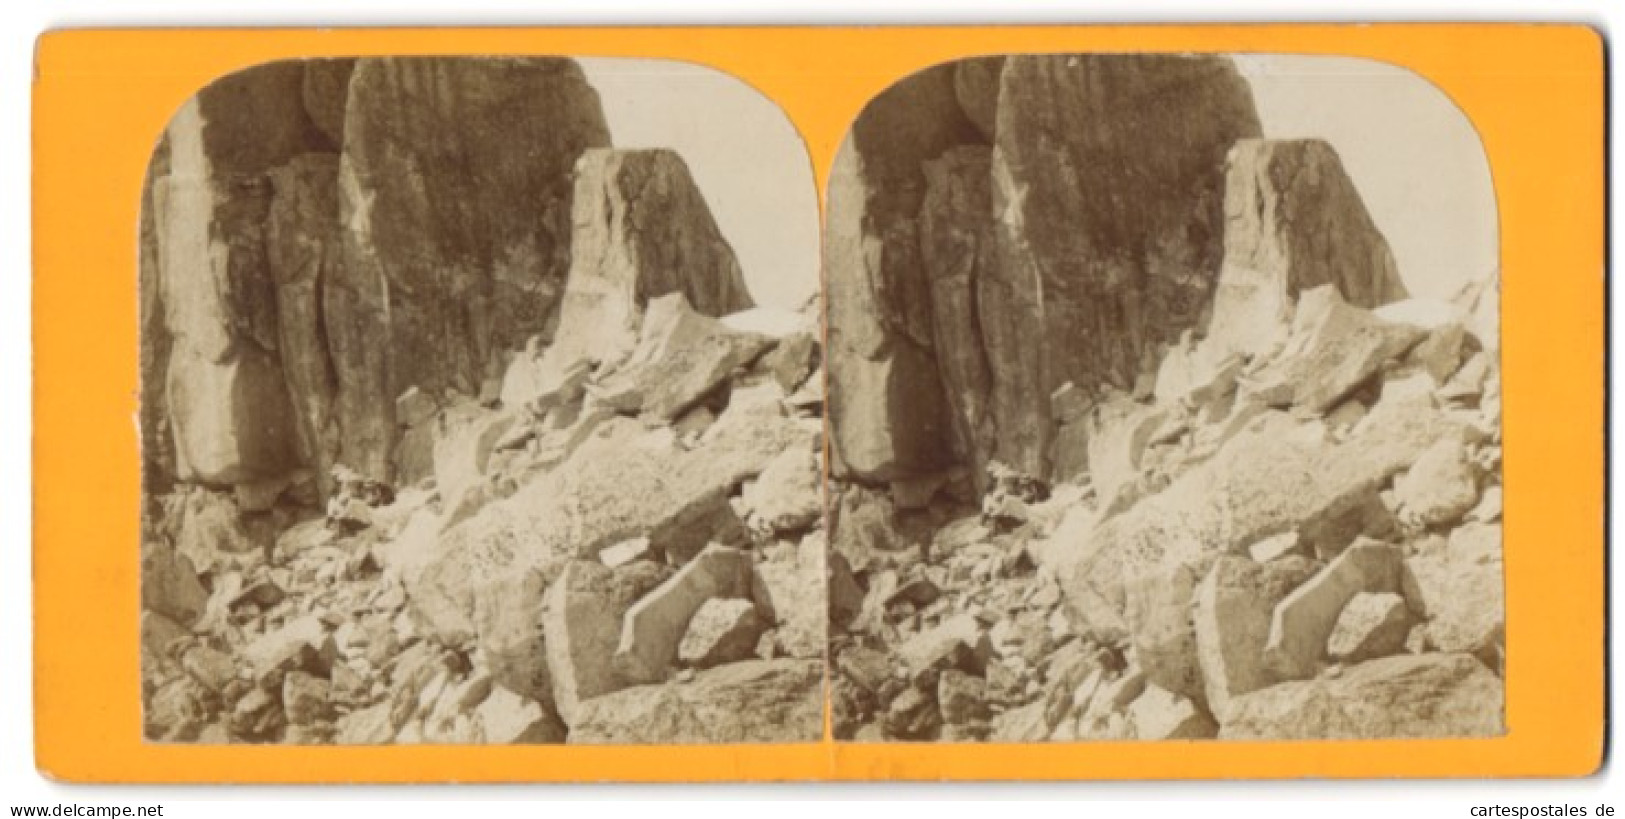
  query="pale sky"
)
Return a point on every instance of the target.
[
  {"x": 744, "y": 154},
  {"x": 1413, "y": 155}
]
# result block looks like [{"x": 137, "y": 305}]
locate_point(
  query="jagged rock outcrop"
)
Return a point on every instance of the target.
[
  {"x": 461, "y": 240},
  {"x": 324, "y": 234},
  {"x": 978, "y": 251},
  {"x": 1118, "y": 274},
  {"x": 1233, "y": 483},
  {"x": 642, "y": 230},
  {"x": 470, "y": 235},
  {"x": 304, "y": 246},
  {"x": 373, "y": 278},
  {"x": 1293, "y": 221},
  {"x": 226, "y": 403},
  {"x": 886, "y": 403},
  {"x": 959, "y": 250}
]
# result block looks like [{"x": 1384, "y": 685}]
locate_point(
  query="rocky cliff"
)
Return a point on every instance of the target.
[
  {"x": 982, "y": 267},
  {"x": 1233, "y": 482},
  {"x": 366, "y": 226},
  {"x": 571, "y": 483}
]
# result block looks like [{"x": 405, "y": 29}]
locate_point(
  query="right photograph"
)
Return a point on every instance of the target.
[{"x": 1164, "y": 404}]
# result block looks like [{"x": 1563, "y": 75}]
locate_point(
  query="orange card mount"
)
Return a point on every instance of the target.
[{"x": 484, "y": 432}]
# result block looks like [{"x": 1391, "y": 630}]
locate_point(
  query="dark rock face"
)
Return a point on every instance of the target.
[
  {"x": 1042, "y": 276},
  {"x": 1293, "y": 222},
  {"x": 959, "y": 251},
  {"x": 227, "y": 405},
  {"x": 1109, "y": 199},
  {"x": 320, "y": 235},
  {"x": 886, "y": 403},
  {"x": 303, "y": 245},
  {"x": 465, "y": 231},
  {"x": 642, "y": 230}
]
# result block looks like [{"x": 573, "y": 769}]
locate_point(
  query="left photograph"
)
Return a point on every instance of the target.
[{"x": 481, "y": 402}]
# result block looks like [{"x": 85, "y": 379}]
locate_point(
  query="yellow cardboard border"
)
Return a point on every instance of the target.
[{"x": 1535, "y": 93}]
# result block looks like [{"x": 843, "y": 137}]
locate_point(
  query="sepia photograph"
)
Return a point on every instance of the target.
[
  {"x": 481, "y": 402},
  {"x": 1164, "y": 404}
]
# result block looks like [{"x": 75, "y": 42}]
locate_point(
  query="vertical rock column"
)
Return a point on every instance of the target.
[
  {"x": 1108, "y": 194},
  {"x": 1293, "y": 222},
  {"x": 888, "y": 412},
  {"x": 454, "y": 190},
  {"x": 641, "y": 230},
  {"x": 227, "y": 402}
]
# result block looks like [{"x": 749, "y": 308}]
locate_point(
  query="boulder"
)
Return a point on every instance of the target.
[
  {"x": 641, "y": 230},
  {"x": 1159, "y": 614},
  {"x": 1459, "y": 591},
  {"x": 304, "y": 697},
  {"x": 1306, "y": 618},
  {"x": 721, "y": 631},
  {"x": 789, "y": 494},
  {"x": 158, "y": 637},
  {"x": 1370, "y": 626},
  {"x": 373, "y": 725},
  {"x": 1418, "y": 696},
  {"x": 1439, "y": 488},
  {"x": 1233, "y": 608},
  {"x": 1273, "y": 476},
  {"x": 681, "y": 357},
  {"x": 581, "y": 626},
  {"x": 1159, "y": 714},
  {"x": 962, "y": 698},
  {"x": 751, "y": 701},
  {"x": 1293, "y": 221},
  {"x": 958, "y": 642},
  {"x": 213, "y": 669},
  {"x": 1331, "y": 349},
  {"x": 653, "y": 628},
  {"x": 621, "y": 482},
  {"x": 790, "y": 591},
  {"x": 301, "y": 644},
  {"x": 169, "y": 584},
  {"x": 508, "y": 718},
  {"x": 791, "y": 360}
]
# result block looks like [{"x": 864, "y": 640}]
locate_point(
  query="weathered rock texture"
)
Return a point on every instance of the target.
[
  {"x": 1232, "y": 482},
  {"x": 527, "y": 352},
  {"x": 226, "y": 402},
  {"x": 325, "y": 234},
  {"x": 886, "y": 398},
  {"x": 466, "y": 233},
  {"x": 1293, "y": 221},
  {"x": 642, "y": 231},
  {"x": 976, "y": 269}
]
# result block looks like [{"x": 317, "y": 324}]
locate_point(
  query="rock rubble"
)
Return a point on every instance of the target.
[{"x": 1273, "y": 479}]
